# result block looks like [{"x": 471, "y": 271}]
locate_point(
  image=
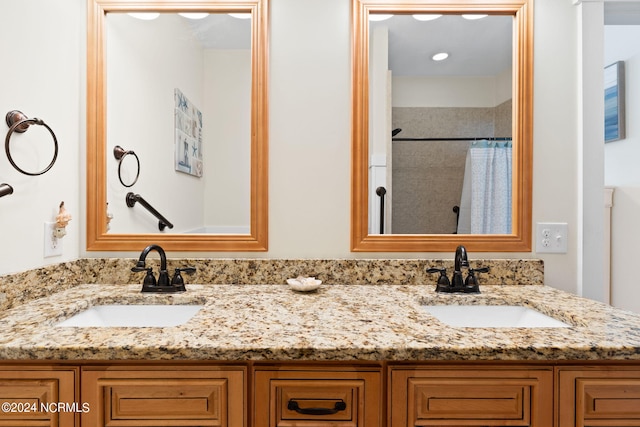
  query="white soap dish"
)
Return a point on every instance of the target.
[{"x": 304, "y": 284}]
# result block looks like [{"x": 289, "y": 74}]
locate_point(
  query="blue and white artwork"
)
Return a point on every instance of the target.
[
  {"x": 188, "y": 132},
  {"x": 614, "y": 102}
]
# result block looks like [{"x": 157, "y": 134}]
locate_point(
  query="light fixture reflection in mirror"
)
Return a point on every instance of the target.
[
  {"x": 144, "y": 16},
  {"x": 125, "y": 96},
  {"x": 194, "y": 15},
  {"x": 372, "y": 123}
]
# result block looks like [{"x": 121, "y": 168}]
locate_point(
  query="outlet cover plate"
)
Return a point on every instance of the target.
[
  {"x": 52, "y": 245},
  {"x": 551, "y": 237}
]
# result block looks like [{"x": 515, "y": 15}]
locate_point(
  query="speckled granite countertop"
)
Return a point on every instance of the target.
[{"x": 354, "y": 322}]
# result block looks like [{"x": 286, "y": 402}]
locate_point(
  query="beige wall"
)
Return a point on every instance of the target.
[
  {"x": 43, "y": 76},
  {"x": 310, "y": 130}
]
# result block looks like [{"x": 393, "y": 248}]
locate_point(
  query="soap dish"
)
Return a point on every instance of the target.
[{"x": 304, "y": 284}]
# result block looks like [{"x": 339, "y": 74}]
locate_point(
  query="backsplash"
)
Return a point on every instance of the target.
[{"x": 18, "y": 288}]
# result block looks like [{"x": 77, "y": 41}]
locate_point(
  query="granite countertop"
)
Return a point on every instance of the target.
[{"x": 338, "y": 322}]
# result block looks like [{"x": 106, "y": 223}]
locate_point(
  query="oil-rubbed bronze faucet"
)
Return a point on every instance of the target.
[
  {"x": 149, "y": 283},
  {"x": 459, "y": 260},
  {"x": 457, "y": 284}
]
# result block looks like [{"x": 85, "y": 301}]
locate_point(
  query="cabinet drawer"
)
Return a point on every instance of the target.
[
  {"x": 166, "y": 399},
  {"x": 31, "y": 397},
  {"x": 153, "y": 397},
  {"x": 314, "y": 398},
  {"x": 609, "y": 398},
  {"x": 471, "y": 399},
  {"x": 601, "y": 397},
  {"x": 310, "y": 400},
  {"x": 480, "y": 397}
]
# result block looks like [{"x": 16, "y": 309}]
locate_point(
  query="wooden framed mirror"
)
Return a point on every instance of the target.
[
  {"x": 379, "y": 63},
  {"x": 175, "y": 183}
]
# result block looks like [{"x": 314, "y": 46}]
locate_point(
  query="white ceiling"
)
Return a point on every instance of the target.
[
  {"x": 222, "y": 31},
  {"x": 482, "y": 47},
  {"x": 476, "y": 48}
]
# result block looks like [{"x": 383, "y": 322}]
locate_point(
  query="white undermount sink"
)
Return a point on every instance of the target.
[
  {"x": 133, "y": 315},
  {"x": 492, "y": 316}
]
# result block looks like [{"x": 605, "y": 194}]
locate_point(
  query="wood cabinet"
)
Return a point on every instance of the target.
[
  {"x": 164, "y": 396},
  {"x": 38, "y": 396},
  {"x": 598, "y": 396},
  {"x": 465, "y": 396},
  {"x": 286, "y": 396},
  {"x": 289, "y": 394}
]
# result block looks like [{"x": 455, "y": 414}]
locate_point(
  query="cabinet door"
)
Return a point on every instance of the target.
[
  {"x": 153, "y": 396},
  {"x": 38, "y": 396},
  {"x": 311, "y": 398},
  {"x": 602, "y": 396},
  {"x": 463, "y": 396}
]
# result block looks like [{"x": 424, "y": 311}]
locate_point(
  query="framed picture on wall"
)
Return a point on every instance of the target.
[
  {"x": 614, "y": 102},
  {"x": 188, "y": 136}
]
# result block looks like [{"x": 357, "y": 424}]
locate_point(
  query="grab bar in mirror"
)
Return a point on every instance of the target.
[
  {"x": 162, "y": 221},
  {"x": 381, "y": 191},
  {"x": 456, "y": 210}
]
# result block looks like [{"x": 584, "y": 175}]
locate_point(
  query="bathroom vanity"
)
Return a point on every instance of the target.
[{"x": 346, "y": 355}]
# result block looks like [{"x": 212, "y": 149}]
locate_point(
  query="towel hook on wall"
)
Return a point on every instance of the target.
[
  {"x": 19, "y": 123},
  {"x": 5, "y": 189}
]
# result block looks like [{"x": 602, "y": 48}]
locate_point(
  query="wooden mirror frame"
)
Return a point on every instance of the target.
[
  {"x": 520, "y": 239},
  {"x": 97, "y": 236}
]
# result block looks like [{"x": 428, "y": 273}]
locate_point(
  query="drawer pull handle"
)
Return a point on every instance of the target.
[{"x": 339, "y": 406}]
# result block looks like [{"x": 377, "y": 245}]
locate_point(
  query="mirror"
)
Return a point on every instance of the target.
[
  {"x": 448, "y": 118},
  {"x": 412, "y": 128},
  {"x": 177, "y": 125}
]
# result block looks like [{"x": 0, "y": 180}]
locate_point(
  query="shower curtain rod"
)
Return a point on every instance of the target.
[{"x": 453, "y": 139}]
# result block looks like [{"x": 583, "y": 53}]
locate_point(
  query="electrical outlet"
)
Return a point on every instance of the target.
[
  {"x": 52, "y": 245},
  {"x": 551, "y": 237}
]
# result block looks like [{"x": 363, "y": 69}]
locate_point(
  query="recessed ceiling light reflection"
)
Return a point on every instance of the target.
[
  {"x": 145, "y": 16},
  {"x": 426, "y": 16},
  {"x": 241, "y": 15},
  {"x": 379, "y": 17},
  {"x": 196, "y": 15},
  {"x": 440, "y": 56},
  {"x": 474, "y": 16}
]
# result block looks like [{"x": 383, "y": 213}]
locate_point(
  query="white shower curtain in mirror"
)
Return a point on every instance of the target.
[{"x": 485, "y": 205}]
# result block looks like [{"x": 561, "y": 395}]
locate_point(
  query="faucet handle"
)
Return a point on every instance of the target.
[
  {"x": 444, "y": 285},
  {"x": 149, "y": 279},
  {"x": 178, "y": 281},
  {"x": 471, "y": 282}
]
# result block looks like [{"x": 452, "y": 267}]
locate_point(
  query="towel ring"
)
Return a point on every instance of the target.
[
  {"x": 120, "y": 153},
  {"x": 19, "y": 123}
]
